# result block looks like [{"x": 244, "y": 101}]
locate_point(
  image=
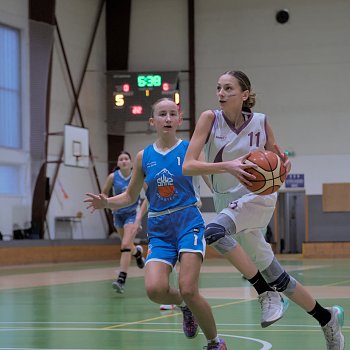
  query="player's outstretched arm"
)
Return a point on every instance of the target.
[{"x": 100, "y": 201}]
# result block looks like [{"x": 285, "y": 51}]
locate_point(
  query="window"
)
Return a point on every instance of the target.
[
  {"x": 10, "y": 97},
  {"x": 9, "y": 179}
]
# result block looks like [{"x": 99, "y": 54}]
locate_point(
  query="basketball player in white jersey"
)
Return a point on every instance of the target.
[{"x": 228, "y": 135}]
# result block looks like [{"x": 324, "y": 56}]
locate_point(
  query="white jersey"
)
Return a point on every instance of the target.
[
  {"x": 224, "y": 143},
  {"x": 251, "y": 213}
]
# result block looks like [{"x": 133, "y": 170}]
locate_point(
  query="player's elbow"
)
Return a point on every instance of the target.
[
  {"x": 187, "y": 168},
  {"x": 132, "y": 199},
  {"x": 132, "y": 194}
]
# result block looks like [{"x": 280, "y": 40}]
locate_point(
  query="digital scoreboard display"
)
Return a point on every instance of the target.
[{"x": 131, "y": 94}]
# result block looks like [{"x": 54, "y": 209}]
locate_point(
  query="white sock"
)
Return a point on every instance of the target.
[{"x": 215, "y": 340}]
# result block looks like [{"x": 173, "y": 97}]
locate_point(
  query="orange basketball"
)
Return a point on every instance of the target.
[
  {"x": 270, "y": 173},
  {"x": 166, "y": 191}
]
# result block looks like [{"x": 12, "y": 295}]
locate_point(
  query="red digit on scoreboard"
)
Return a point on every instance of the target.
[
  {"x": 136, "y": 110},
  {"x": 126, "y": 87},
  {"x": 165, "y": 86}
]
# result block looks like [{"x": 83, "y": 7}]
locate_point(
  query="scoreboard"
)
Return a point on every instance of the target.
[{"x": 130, "y": 95}]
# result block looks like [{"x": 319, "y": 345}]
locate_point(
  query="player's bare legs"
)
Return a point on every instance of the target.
[
  {"x": 302, "y": 297},
  {"x": 157, "y": 284},
  {"x": 238, "y": 258},
  {"x": 127, "y": 234},
  {"x": 127, "y": 249},
  {"x": 188, "y": 283}
]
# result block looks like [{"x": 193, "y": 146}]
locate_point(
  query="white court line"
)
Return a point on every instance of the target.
[
  {"x": 265, "y": 345},
  {"x": 144, "y": 324}
]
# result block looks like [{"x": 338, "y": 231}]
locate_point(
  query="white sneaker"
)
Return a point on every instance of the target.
[
  {"x": 119, "y": 287},
  {"x": 273, "y": 307},
  {"x": 166, "y": 307},
  {"x": 332, "y": 330}
]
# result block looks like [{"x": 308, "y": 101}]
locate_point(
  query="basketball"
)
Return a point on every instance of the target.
[
  {"x": 166, "y": 191},
  {"x": 270, "y": 173}
]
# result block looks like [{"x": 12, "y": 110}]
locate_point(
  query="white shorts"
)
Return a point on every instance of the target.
[
  {"x": 251, "y": 211},
  {"x": 251, "y": 215},
  {"x": 254, "y": 244}
]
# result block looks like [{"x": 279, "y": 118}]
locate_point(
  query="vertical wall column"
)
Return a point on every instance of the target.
[
  {"x": 118, "y": 15},
  {"x": 41, "y": 31}
]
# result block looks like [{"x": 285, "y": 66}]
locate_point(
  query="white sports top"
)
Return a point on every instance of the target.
[{"x": 224, "y": 143}]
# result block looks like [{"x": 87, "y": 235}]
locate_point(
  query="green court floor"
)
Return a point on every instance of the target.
[{"x": 73, "y": 306}]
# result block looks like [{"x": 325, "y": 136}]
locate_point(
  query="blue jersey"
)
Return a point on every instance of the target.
[
  {"x": 175, "y": 224},
  {"x": 120, "y": 184},
  {"x": 167, "y": 187}
]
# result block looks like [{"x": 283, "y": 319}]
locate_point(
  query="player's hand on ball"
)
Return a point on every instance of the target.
[
  {"x": 237, "y": 168},
  {"x": 285, "y": 159},
  {"x": 94, "y": 201},
  {"x": 269, "y": 172}
]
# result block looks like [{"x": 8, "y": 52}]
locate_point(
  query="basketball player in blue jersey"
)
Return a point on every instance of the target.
[
  {"x": 126, "y": 220},
  {"x": 175, "y": 225},
  {"x": 228, "y": 135}
]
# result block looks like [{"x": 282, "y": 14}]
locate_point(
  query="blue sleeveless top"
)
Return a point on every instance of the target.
[
  {"x": 120, "y": 184},
  {"x": 167, "y": 187}
]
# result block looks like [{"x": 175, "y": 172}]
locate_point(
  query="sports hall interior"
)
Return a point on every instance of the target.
[{"x": 57, "y": 260}]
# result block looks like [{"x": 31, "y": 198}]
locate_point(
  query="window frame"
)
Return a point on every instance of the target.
[{"x": 19, "y": 158}]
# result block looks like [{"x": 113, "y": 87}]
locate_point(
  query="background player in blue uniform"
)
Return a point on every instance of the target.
[
  {"x": 126, "y": 220},
  {"x": 175, "y": 225},
  {"x": 228, "y": 135}
]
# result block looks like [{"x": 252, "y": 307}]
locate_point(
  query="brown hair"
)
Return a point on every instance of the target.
[
  {"x": 124, "y": 152},
  {"x": 119, "y": 154},
  {"x": 159, "y": 101},
  {"x": 245, "y": 84}
]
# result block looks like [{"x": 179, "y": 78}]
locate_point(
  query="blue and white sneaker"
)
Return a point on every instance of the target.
[
  {"x": 332, "y": 330},
  {"x": 273, "y": 307}
]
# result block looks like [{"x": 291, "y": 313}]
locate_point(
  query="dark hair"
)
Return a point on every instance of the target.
[
  {"x": 119, "y": 154},
  {"x": 124, "y": 152},
  {"x": 245, "y": 84}
]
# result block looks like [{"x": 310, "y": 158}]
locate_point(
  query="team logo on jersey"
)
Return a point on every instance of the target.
[{"x": 165, "y": 184}]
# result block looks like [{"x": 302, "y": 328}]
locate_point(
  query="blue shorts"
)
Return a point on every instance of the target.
[
  {"x": 120, "y": 220},
  {"x": 170, "y": 235}
]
